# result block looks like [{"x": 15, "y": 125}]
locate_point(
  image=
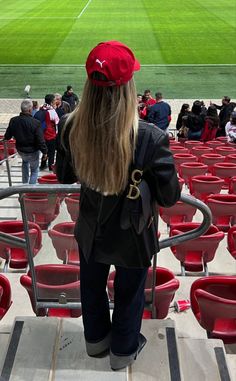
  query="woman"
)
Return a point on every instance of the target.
[
  {"x": 184, "y": 111},
  {"x": 211, "y": 125},
  {"x": 195, "y": 121},
  {"x": 105, "y": 137}
]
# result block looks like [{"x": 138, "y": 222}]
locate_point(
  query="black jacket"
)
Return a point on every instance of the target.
[
  {"x": 98, "y": 229},
  {"x": 72, "y": 99},
  {"x": 27, "y": 132}
]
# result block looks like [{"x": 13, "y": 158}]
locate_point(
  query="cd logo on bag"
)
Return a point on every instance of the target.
[{"x": 136, "y": 177}]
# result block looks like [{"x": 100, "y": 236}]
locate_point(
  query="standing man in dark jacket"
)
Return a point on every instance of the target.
[
  {"x": 226, "y": 109},
  {"x": 160, "y": 113},
  {"x": 70, "y": 97},
  {"x": 29, "y": 141}
]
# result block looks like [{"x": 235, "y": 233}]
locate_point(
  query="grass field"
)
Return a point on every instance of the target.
[{"x": 52, "y": 32}]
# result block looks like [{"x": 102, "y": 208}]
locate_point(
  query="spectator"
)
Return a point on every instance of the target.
[
  {"x": 49, "y": 120},
  {"x": 29, "y": 141},
  {"x": 195, "y": 121},
  {"x": 35, "y": 107},
  {"x": 185, "y": 109},
  {"x": 226, "y": 109},
  {"x": 230, "y": 128},
  {"x": 62, "y": 107},
  {"x": 103, "y": 133},
  {"x": 160, "y": 113},
  {"x": 70, "y": 97},
  {"x": 211, "y": 124},
  {"x": 147, "y": 102}
]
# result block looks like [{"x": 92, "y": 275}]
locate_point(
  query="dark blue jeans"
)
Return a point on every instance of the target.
[{"x": 129, "y": 304}]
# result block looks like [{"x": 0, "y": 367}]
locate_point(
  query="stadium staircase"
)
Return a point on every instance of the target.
[{"x": 45, "y": 349}]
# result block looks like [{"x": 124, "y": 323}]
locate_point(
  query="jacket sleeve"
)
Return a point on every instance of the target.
[
  {"x": 161, "y": 174},
  {"x": 64, "y": 167},
  {"x": 8, "y": 134},
  {"x": 40, "y": 142}
]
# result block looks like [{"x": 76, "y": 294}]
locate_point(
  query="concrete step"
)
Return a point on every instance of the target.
[
  {"x": 45, "y": 349},
  {"x": 231, "y": 361},
  {"x": 42, "y": 349},
  {"x": 4, "y": 341},
  {"x": 203, "y": 359}
]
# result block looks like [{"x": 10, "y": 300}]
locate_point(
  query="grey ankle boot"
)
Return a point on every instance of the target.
[
  {"x": 118, "y": 362},
  {"x": 98, "y": 348}
]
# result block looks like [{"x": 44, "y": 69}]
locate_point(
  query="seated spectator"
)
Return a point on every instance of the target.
[
  {"x": 230, "y": 128},
  {"x": 185, "y": 109},
  {"x": 211, "y": 124},
  {"x": 195, "y": 121}
]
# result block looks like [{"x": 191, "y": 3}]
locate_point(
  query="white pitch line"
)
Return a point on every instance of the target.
[{"x": 84, "y": 9}]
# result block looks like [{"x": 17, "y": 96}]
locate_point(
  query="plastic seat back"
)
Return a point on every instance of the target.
[
  {"x": 210, "y": 159},
  {"x": 72, "y": 204},
  {"x": 232, "y": 185},
  {"x": 178, "y": 149},
  {"x": 52, "y": 280},
  {"x": 42, "y": 209},
  {"x": 188, "y": 170},
  {"x": 192, "y": 143},
  {"x": 213, "y": 302},
  {"x": 63, "y": 240},
  {"x": 180, "y": 158},
  {"x": 231, "y": 241},
  {"x": 16, "y": 257},
  {"x": 201, "y": 150},
  {"x": 225, "y": 150},
  {"x": 180, "y": 212},
  {"x": 230, "y": 158},
  {"x": 196, "y": 253},
  {"x": 5, "y": 295},
  {"x": 166, "y": 286},
  {"x": 214, "y": 143},
  {"x": 202, "y": 186},
  {"x": 223, "y": 208},
  {"x": 224, "y": 171}
]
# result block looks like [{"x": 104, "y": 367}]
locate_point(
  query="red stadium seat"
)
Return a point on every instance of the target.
[
  {"x": 180, "y": 158},
  {"x": 210, "y": 159},
  {"x": 15, "y": 257},
  {"x": 230, "y": 158},
  {"x": 41, "y": 208},
  {"x": 51, "y": 178},
  {"x": 72, "y": 203},
  {"x": 192, "y": 143},
  {"x": 174, "y": 142},
  {"x": 213, "y": 302},
  {"x": 214, "y": 143},
  {"x": 5, "y": 295},
  {"x": 202, "y": 186},
  {"x": 180, "y": 212},
  {"x": 223, "y": 139},
  {"x": 223, "y": 208},
  {"x": 196, "y": 253},
  {"x": 188, "y": 170},
  {"x": 232, "y": 185},
  {"x": 201, "y": 150},
  {"x": 225, "y": 150},
  {"x": 63, "y": 240},
  {"x": 224, "y": 171},
  {"x": 52, "y": 281},
  {"x": 166, "y": 286},
  {"x": 178, "y": 149},
  {"x": 181, "y": 182},
  {"x": 231, "y": 241}
]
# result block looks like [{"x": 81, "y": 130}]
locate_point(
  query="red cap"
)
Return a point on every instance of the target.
[{"x": 113, "y": 59}]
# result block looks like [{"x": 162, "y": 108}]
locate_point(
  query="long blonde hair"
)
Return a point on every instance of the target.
[{"x": 103, "y": 134}]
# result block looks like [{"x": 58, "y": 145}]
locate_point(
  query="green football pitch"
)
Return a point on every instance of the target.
[{"x": 187, "y": 48}]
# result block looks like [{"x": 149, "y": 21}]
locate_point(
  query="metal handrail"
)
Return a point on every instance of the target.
[{"x": 68, "y": 188}]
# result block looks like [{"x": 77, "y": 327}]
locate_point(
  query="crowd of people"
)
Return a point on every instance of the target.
[{"x": 35, "y": 129}]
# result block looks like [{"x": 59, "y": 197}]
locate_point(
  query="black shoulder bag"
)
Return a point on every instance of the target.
[{"x": 137, "y": 207}]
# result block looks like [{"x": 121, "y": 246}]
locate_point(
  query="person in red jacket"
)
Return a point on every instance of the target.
[{"x": 49, "y": 121}]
